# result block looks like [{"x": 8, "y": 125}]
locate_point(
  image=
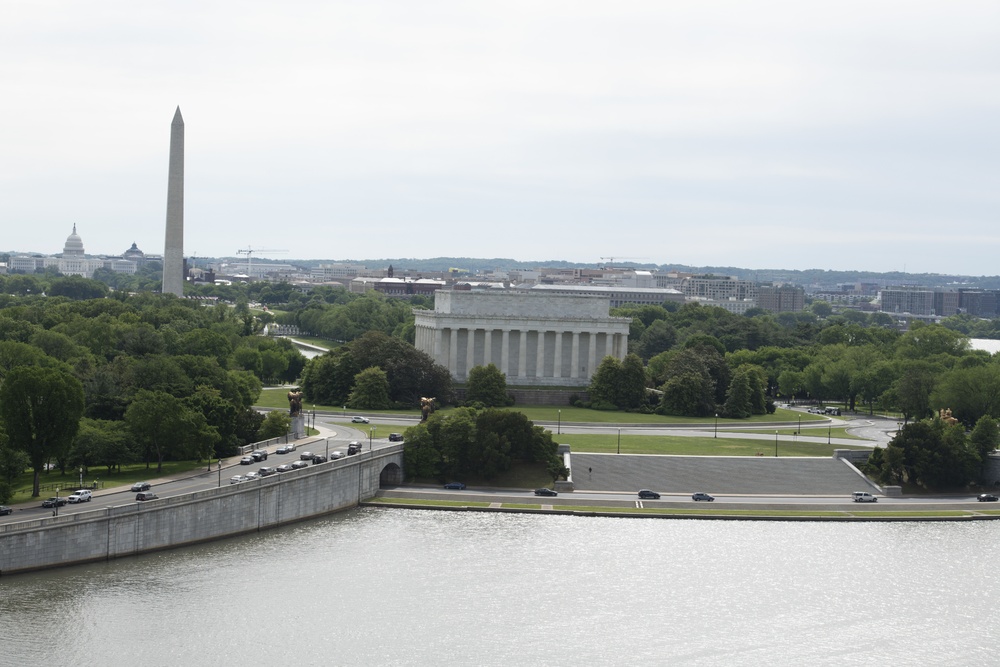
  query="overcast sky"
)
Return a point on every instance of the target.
[{"x": 837, "y": 135}]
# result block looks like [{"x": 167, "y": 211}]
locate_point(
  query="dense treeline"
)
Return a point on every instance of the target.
[{"x": 92, "y": 378}]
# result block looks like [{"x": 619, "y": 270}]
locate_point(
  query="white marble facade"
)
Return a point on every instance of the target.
[{"x": 534, "y": 339}]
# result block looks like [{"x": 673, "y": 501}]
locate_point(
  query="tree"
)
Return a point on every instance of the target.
[
  {"x": 605, "y": 383},
  {"x": 156, "y": 419},
  {"x": 931, "y": 454},
  {"x": 41, "y": 410},
  {"x": 738, "y": 401},
  {"x": 13, "y": 462},
  {"x": 688, "y": 394},
  {"x": 487, "y": 386},
  {"x": 985, "y": 436},
  {"x": 371, "y": 390},
  {"x": 275, "y": 425},
  {"x": 631, "y": 384}
]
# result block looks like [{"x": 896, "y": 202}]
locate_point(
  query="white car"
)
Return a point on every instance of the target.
[
  {"x": 864, "y": 497},
  {"x": 250, "y": 476},
  {"x": 359, "y": 420},
  {"x": 285, "y": 449},
  {"x": 236, "y": 479},
  {"x": 81, "y": 496}
]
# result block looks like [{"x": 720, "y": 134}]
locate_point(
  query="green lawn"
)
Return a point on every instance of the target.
[
  {"x": 693, "y": 446},
  {"x": 815, "y": 432}
]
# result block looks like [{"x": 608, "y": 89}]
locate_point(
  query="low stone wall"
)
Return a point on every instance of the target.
[{"x": 136, "y": 528}]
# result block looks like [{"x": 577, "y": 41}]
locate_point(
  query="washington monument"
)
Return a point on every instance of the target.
[{"x": 173, "y": 254}]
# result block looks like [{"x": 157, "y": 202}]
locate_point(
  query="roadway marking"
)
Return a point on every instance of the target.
[{"x": 638, "y": 504}]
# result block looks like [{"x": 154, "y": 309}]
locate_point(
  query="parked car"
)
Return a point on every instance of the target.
[
  {"x": 296, "y": 465},
  {"x": 146, "y": 495},
  {"x": 454, "y": 486},
  {"x": 319, "y": 458},
  {"x": 259, "y": 455},
  {"x": 353, "y": 448},
  {"x": 702, "y": 496},
  {"x": 285, "y": 449},
  {"x": 395, "y": 437},
  {"x": 306, "y": 456},
  {"x": 4, "y": 510},
  {"x": 236, "y": 479},
  {"x": 54, "y": 502},
  {"x": 545, "y": 492},
  {"x": 646, "y": 494},
  {"x": 285, "y": 467},
  {"x": 247, "y": 461},
  {"x": 986, "y": 498},
  {"x": 359, "y": 420},
  {"x": 863, "y": 497},
  {"x": 81, "y": 496},
  {"x": 140, "y": 486},
  {"x": 266, "y": 471}
]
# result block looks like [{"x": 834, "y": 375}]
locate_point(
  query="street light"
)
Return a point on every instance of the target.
[
  {"x": 829, "y": 432},
  {"x": 371, "y": 435},
  {"x": 220, "y": 473},
  {"x": 81, "y": 477},
  {"x": 559, "y": 425},
  {"x": 619, "y": 441},
  {"x": 799, "y": 429},
  {"x": 55, "y": 512},
  {"x": 775, "y": 444},
  {"x": 716, "y": 425}
]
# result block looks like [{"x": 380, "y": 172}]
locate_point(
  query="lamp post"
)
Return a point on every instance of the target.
[
  {"x": 55, "y": 512},
  {"x": 371, "y": 436},
  {"x": 799, "y": 429},
  {"x": 81, "y": 477},
  {"x": 559, "y": 423},
  {"x": 220, "y": 473},
  {"x": 619, "y": 441},
  {"x": 716, "y": 425},
  {"x": 327, "y": 449},
  {"x": 345, "y": 410},
  {"x": 776, "y": 444},
  {"x": 829, "y": 432}
]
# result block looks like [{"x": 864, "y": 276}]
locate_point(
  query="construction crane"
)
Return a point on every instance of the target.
[
  {"x": 249, "y": 252},
  {"x": 611, "y": 260}
]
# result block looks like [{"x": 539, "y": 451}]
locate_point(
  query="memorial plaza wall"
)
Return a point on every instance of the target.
[
  {"x": 136, "y": 527},
  {"x": 534, "y": 339}
]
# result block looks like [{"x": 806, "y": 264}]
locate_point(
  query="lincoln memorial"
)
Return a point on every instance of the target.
[{"x": 534, "y": 339}]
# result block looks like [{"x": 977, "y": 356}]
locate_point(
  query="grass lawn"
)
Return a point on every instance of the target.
[
  {"x": 277, "y": 397},
  {"x": 71, "y": 480},
  {"x": 693, "y": 446},
  {"x": 816, "y": 432}
]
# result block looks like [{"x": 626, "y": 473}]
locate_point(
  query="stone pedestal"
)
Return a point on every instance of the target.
[{"x": 299, "y": 426}]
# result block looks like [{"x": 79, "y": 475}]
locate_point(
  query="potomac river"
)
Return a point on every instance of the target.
[{"x": 375, "y": 586}]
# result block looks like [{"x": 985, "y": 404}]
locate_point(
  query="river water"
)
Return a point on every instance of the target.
[{"x": 410, "y": 587}]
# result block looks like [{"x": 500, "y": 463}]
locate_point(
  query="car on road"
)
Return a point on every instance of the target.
[
  {"x": 296, "y": 465},
  {"x": 140, "y": 486},
  {"x": 306, "y": 456},
  {"x": 285, "y": 467},
  {"x": 353, "y": 448},
  {"x": 266, "y": 471},
  {"x": 454, "y": 486},
  {"x": 646, "y": 494},
  {"x": 546, "y": 492},
  {"x": 81, "y": 496},
  {"x": 815, "y": 411},
  {"x": 863, "y": 497},
  {"x": 146, "y": 495},
  {"x": 336, "y": 455},
  {"x": 285, "y": 449},
  {"x": 250, "y": 476},
  {"x": 699, "y": 495},
  {"x": 986, "y": 498},
  {"x": 54, "y": 502},
  {"x": 247, "y": 461},
  {"x": 4, "y": 510},
  {"x": 319, "y": 458},
  {"x": 359, "y": 420},
  {"x": 395, "y": 437},
  {"x": 236, "y": 479},
  {"x": 259, "y": 455}
]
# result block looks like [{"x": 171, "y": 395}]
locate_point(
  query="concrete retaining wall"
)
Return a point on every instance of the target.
[{"x": 136, "y": 528}]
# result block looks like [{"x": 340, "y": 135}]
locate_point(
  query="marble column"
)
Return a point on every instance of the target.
[
  {"x": 574, "y": 357},
  {"x": 470, "y": 350},
  {"x": 540, "y": 355},
  {"x": 522, "y": 357},
  {"x": 505, "y": 352},
  {"x": 592, "y": 355},
  {"x": 487, "y": 347},
  {"x": 453, "y": 352},
  {"x": 557, "y": 364}
]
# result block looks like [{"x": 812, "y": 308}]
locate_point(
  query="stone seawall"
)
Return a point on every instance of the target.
[{"x": 136, "y": 528}]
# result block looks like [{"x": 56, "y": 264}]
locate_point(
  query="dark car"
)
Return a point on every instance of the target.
[
  {"x": 546, "y": 492},
  {"x": 4, "y": 510},
  {"x": 986, "y": 498},
  {"x": 259, "y": 455},
  {"x": 395, "y": 437},
  {"x": 454, "y": 486},
  {"x": 266, "y": 471},
  {"x": 353, "y": 448},
  {"x": 285, "y": 467},
  {"x": 299, "y": 464},
  {"x": 646, "y": 494},
  {"x": 319, "y": 458},
  {"x": 140, "y": 486},
  {"x": 54, "y": 502},
  {"x": 702, "y": 496},
  {"x": 146, "y": 495},
  {"x": 247, "y": 460},
  {"x": 306, "y": 456}
]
